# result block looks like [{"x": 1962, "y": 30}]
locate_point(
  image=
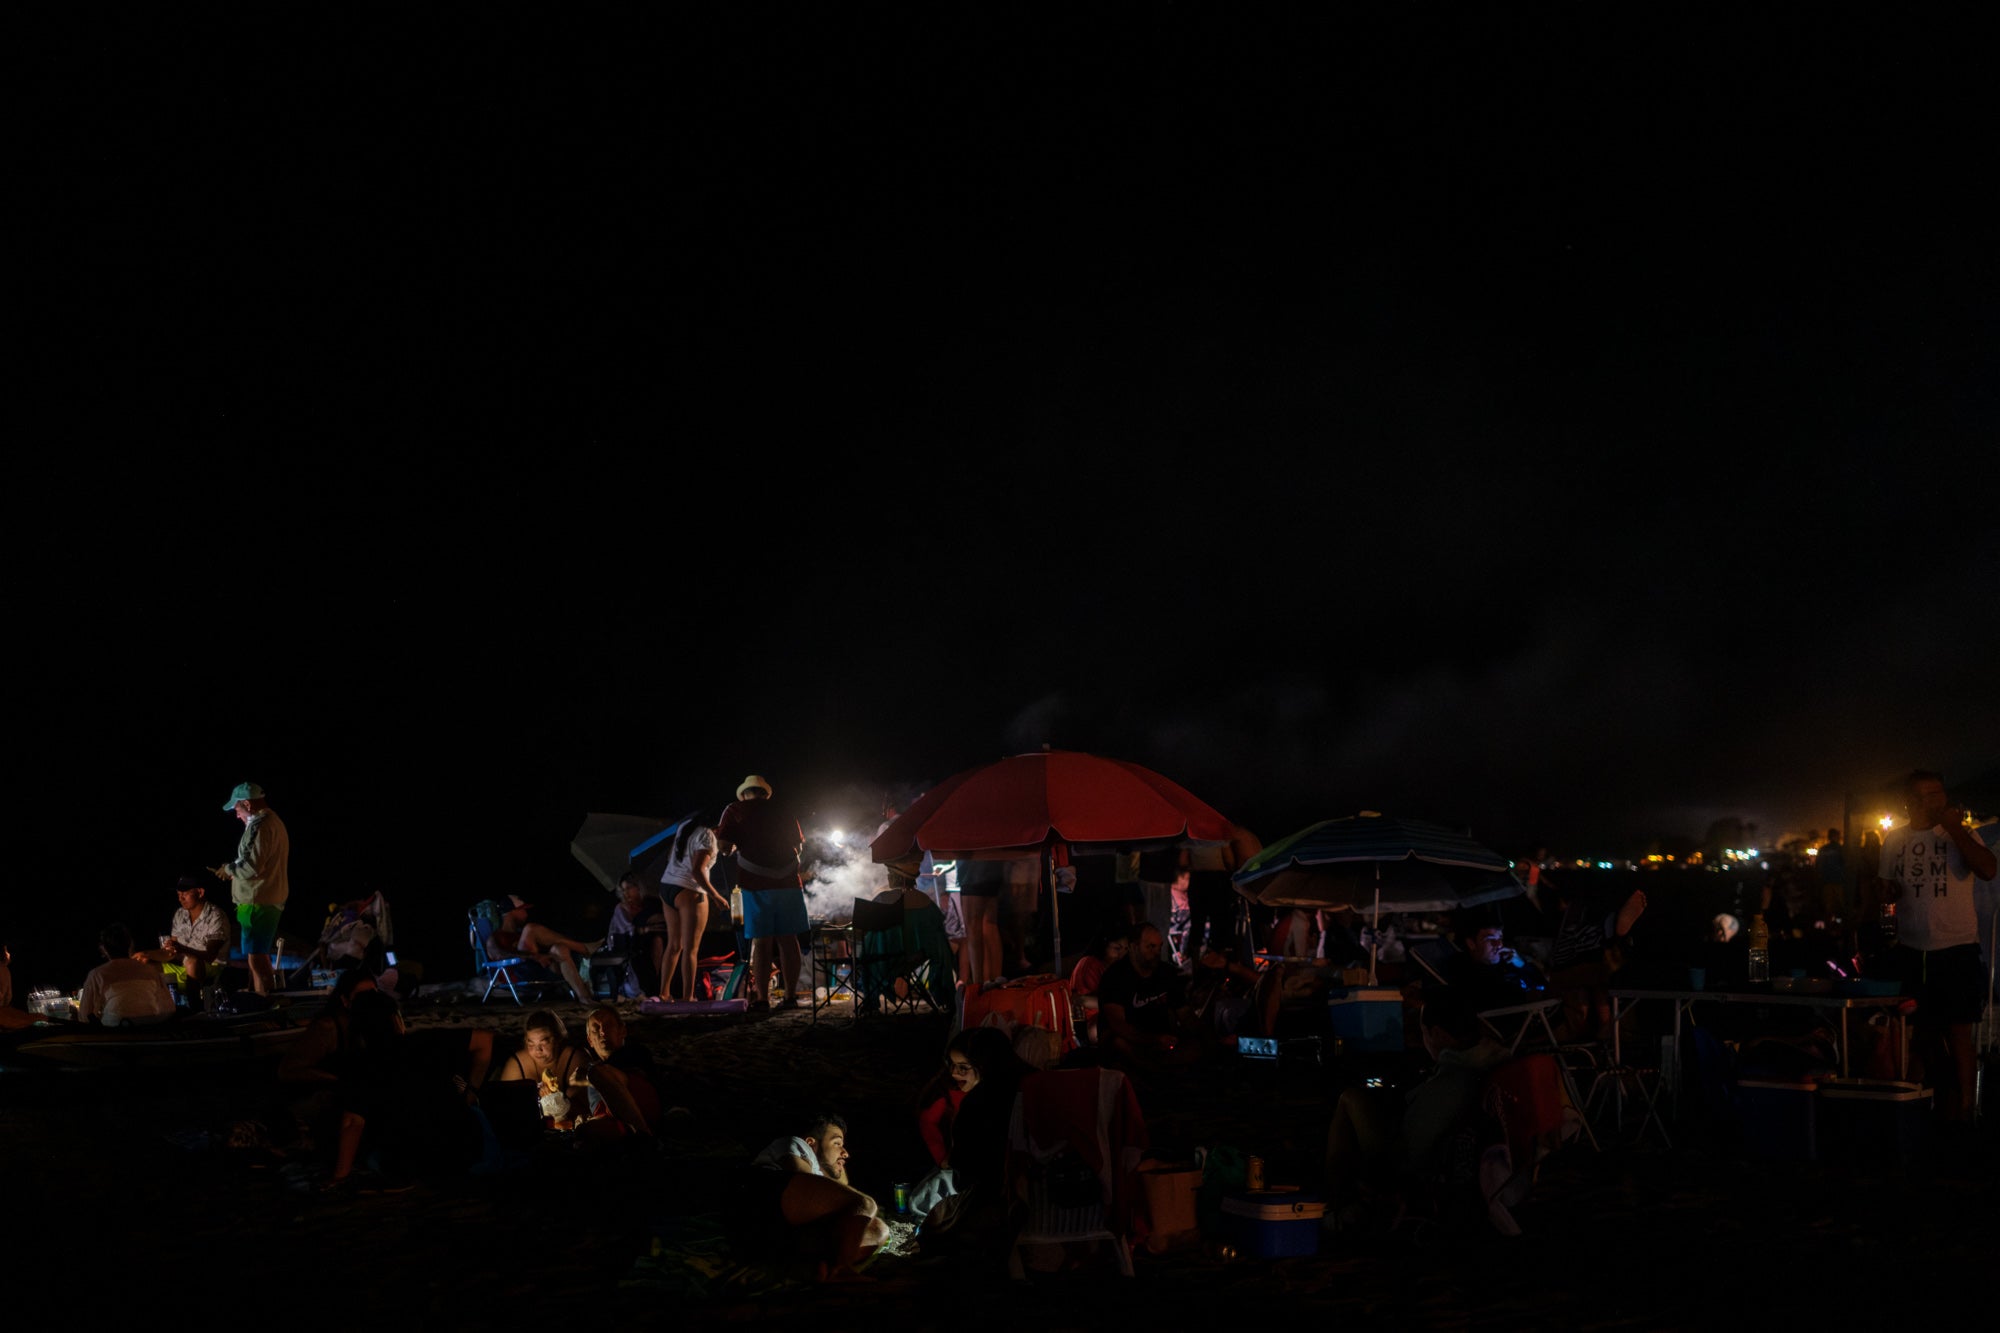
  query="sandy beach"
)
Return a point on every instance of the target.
[{"x": 126, "y": 1184}]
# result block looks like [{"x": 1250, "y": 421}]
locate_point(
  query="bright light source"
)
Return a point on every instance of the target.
[
  {"x": 1887, "y": 820},
  {"x": 838, "y": 836}
]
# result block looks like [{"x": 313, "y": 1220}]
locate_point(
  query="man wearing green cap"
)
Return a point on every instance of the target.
[{"x": 257, "y": 883}]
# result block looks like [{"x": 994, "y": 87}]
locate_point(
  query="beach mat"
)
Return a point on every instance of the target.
[
  {"x": 690, "y": 1259},
  {"x": 659, "y": 1008}
]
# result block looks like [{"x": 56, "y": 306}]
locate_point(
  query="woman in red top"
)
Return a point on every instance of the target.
[
  {"x": 1104, "y": 951},
  {"x": 942, "y": 1100}
]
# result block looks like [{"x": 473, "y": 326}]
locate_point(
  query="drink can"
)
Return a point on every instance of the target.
[
  {"x": 902, "y": 1197},
  {"x": 1253, "y": 1174}
]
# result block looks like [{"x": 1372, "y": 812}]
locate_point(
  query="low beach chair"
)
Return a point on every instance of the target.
[
  {"x": 1074, "y": 1146},
  {"x": 516, "y": 973},
  {"x": 355, "y": 934}
]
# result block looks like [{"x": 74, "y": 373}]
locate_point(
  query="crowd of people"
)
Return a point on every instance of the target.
[{"x": 1182, "y": 975}]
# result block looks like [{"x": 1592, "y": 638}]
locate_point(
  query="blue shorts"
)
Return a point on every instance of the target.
[
  {"x": 772, "y": 912},
  {"x": 259, "y": 927}
]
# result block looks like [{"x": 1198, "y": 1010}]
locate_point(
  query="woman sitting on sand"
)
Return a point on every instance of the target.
[
  {"x": 321, "y": 1050},
  {"x": 547, "y": 1058},
  {"x": 406, "y": 1102},
  {"x": 976, "y": 1214},
  {"x": 314, "y": 1064}
]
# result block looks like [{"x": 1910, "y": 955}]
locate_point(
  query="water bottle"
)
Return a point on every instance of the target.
[{"x": 1760, "y": 949}]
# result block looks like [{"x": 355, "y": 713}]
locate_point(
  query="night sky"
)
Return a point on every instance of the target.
[{"x": 1564, "y": 422}]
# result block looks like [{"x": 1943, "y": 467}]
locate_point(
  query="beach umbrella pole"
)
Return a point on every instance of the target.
[
  {"x": 1375, "y": 936},
  {"x": 1055, "y": 912}
]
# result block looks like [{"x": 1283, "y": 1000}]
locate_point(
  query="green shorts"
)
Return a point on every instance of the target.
[{"x": 259, "y": 926}]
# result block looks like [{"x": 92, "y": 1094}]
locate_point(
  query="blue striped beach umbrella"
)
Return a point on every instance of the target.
[
  {"x": 1373, "y": 861},
  {"x": 1404, "y": 865}
]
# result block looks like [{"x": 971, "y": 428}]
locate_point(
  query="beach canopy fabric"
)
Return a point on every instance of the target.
[
  {"x": 1415, "y": 866},
  {"x": 606, "y": 843},
  {"x": 1050, "y": 799}
]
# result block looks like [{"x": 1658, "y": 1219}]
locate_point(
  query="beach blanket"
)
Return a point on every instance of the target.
[
  {"x": 690, "y": 1258},
  {"x": 656, "y": 1006}
]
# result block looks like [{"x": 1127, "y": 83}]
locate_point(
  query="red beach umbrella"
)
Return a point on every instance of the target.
[{"x": 1056, "y": 801}]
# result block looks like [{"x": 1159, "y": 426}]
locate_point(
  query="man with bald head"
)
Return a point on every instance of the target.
[{"x": 1142, "y": 1004}]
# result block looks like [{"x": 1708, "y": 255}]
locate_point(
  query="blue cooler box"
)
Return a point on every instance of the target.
[
  {"x": 1778, "y": 1120},
  {"x": 1273, "y": 1224},
  {"x": 1866, "y": 1119},
  {"x": 1368, "y": 1019}
]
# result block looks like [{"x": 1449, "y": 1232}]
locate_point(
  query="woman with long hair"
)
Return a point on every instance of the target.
[
  {"x": 545, "y": 1049},
  {"x": 980, "y": 1066},
  {"x": 687, "y": 875},
  {"x": 1102, "y": 953}
]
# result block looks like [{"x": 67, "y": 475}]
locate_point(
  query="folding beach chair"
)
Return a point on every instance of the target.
[
  {"x": 892, "y": 964},
  {"x": 356, "y": 934},
  {"x": 876, "y": 958},
  {"x": 516, "y": 973}
]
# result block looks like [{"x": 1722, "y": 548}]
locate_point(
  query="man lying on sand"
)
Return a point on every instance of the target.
[{"x": 796, "y": 1200}]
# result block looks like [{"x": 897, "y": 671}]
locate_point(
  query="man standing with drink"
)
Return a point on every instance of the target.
[{"x": 1928, "y": 868}]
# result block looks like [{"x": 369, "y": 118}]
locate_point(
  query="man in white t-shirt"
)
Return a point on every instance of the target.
[
  {"x": 1928, "y": 869},
  {"x": 122, "y": 989}
]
